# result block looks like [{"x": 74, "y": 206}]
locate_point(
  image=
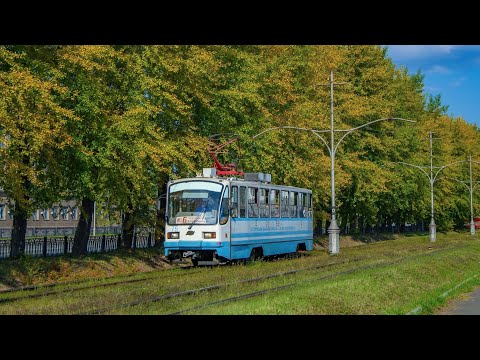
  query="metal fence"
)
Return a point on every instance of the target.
[
  {"x": 63, "y": 245},
  {"x": 61, "y": 231}
]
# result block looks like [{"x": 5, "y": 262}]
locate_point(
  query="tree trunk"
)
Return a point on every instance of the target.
[
  {"x": 318, "y": 228},
  {"x": 127, "y": 228},
  {"x": 19, "y": 229},
  {"x": 82, "y": 233},
  {"x": 356, "y": 225},
  {"x": 161, "y": 212}
]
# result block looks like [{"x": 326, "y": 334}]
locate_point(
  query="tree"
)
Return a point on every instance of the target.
[{"x": 32, "y": 132}]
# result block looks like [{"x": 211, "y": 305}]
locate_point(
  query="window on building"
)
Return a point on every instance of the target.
[
  {"x": 64, "y": 213},
  {"x": 36, "y": 215},
  {"x": 44, "y": 214},
  {"x": 3, "y": 210},
  {"x": 55, "y": 213},
  {"x": 73, "y": 213}
]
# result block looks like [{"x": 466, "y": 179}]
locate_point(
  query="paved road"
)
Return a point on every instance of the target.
[{"x": 469, "y": 306}]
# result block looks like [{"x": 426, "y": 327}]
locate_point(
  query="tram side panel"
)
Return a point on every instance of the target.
[{"x": 270, "y": 224}]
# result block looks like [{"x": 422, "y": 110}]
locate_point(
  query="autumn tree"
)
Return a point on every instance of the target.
[{"x": 32, "y": 133}]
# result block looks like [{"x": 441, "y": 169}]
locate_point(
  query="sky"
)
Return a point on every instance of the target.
[{"x": 453, "y": 71}]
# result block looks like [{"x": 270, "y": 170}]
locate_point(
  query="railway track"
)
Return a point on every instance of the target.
[
  {"x": 326, "y": 277},
  {"x": 86, "y": 287},
  {"x": 157, "y": 298},
  {"x": 29, "y": 288},
  {"x": 76, "y": 288},
  {"x": 156, "y": 276},
  {"x": 276, "y": 288},
  {"x": 207, "y": 288}
]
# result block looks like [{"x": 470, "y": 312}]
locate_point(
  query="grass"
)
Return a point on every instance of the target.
[
  {"x": 421, "y": 273},
  {"x": 37, "y": 270}
]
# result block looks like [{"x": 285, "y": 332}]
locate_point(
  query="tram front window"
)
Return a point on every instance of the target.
[{"x": 194, "y": 202}]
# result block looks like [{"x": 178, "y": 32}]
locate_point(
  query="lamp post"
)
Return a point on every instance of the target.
[
  {"x": 333, "y": 230},
  {"x": 470, "y": 188},
  {"x": 432, "y": 178}
]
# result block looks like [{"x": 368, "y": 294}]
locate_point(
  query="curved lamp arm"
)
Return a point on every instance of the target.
[
  {"x": 366, "y": 124},
  {"x": 460, "y": 181},
  {"x": 285, "y": 127},
  {"x": 299, "y": 128},
  {"x": 444, "y": 166},
  {"x": 413, "y": 165},
  {"x": 316, "y": 132},
  {"x": 324, "y": 142}
]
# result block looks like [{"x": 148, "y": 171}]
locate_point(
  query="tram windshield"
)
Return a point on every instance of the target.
[{"x": 194, "y": 202}]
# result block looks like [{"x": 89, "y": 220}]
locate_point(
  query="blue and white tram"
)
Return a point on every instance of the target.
[{"x": 213, "y": 220}]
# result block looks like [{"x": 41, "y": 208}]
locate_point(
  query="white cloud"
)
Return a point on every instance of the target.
[
  {"x": 407, "y": 52},
  {"x": 458, "y": 82},
  {"x": 431, "y": 89},
  {"x": 439, "y": 69}
]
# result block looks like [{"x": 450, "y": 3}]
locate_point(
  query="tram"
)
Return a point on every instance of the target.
[{"x": 214, "y": 220}]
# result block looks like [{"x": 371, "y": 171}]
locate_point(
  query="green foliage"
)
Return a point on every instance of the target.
[{"x": 114, "y": 123}]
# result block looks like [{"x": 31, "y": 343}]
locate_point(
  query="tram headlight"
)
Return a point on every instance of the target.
[
  {"x": 209, "y": 235},
  {"x": 172, "y": 235}
]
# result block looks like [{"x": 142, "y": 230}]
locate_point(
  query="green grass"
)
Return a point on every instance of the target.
[
  {"x": 29, "y": 270},
  {"x": 421, "y": 273}
]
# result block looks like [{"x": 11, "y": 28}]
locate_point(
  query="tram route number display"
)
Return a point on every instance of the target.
[{"x": 190, "y": 219}]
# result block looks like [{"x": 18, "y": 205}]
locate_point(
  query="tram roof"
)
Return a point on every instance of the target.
[{"x": 243, "y": 182}]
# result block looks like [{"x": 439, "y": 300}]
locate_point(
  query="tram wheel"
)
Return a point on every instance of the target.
[
  {"x": 253, "y": 255},
  {"x": 256, "y": 254},
  {"x": 194, "y": 262}
]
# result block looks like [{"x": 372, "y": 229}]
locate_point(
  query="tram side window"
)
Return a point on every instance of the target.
[
  {"x": 309, "y": 205},
  {"x": 224, "y": 208},
  {"x": 243, "y": 201},
  {"x": 252, "y": 202},
  {"x": 264, "y": 207},
  {"x": 293, "y": 204},
  {"x": 234, "y": 201},
  {"x": 284, "y": 204},
  {"x": 274, "y": 203},
  {"x": 301, "y": 205}
]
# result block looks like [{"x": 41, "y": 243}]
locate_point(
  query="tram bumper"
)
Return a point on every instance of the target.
[{"x": 203, "y": 250}]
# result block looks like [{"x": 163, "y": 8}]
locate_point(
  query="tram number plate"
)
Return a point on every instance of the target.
[{"x": 188, "y": 253}]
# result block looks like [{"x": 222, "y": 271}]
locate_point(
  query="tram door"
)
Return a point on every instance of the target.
[
  {"x": 224, "y": 219},
  {"x": 238, "y": 206}
]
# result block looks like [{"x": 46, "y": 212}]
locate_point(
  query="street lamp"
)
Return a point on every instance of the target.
[
  {"x": 333, "y": 230},
  {"x": 432, "y": 178},
  {"x": 470, "y": 188}
]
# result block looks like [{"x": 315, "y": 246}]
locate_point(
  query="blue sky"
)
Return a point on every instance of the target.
[{"x": 450, "y": 70}]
